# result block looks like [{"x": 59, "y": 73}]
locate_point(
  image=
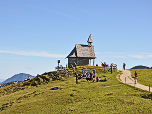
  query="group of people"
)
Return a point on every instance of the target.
[
  {"x": 91, "y": 75},
  {"x": 104, "y": 64},
  {"x": 74, "y": 65},
  {"x": 27, "y": 79}
]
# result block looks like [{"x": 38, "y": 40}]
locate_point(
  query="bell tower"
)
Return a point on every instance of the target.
[{"x": 90, "y": 40}]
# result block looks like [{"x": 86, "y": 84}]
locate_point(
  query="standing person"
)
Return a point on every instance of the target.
[
  {"x": 105, "y": 64},
  {"x": 66, "y": 65},
  {"x": 76, "y": 78},
  {"x": 124, "y": 66},
  {"x": 136, "y": 76},
  {"x": 90, "y": 75},
  {"x": 102, "y": 64},
  {"x": 94, "y": 74}
]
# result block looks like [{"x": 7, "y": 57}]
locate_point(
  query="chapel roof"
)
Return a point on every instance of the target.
[{"x": 85, "y": 51}]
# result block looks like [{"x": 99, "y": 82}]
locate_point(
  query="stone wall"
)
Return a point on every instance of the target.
[
  {"x": 83, "y": 61},
  {"x": 79, "y": 61},
  {"x": 71, "y": 61}
]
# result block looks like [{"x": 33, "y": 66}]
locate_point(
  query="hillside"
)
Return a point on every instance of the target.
[
  {"x": 38, "y": 96},
  {"x": 18, "y": 77}
]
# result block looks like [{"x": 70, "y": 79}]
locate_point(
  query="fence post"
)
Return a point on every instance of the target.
[
  {"x": 125, "y": 80},
  {"x": 149, "y": 88},
  {"x": 68, "y": 74}
]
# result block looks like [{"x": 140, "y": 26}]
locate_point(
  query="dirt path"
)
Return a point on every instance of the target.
[{"x": 126, "y": 78}]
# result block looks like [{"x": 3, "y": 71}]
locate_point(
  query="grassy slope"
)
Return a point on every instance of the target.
[
  {"x": 144, "y": 76},
  {"x": 86, "y": 97}
]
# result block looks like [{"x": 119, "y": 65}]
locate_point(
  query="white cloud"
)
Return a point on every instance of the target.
[
  {"x": 149, "y": 56},
  {"x": 108, "y": 52},
  {"x": 85, "y": 12},
  {"x": 141, "y": 56},
  {"x": 124, "y": 55},
  {"x": 48, "y": 10},
  {"x": 137, "y": 56},
  {"x": 98, "y": 53},
  {"x": 119, "y": 56},
  {"x": 32, "y": 53}
]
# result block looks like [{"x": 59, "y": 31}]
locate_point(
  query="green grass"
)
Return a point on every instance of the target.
[
  {"x": 144, "y": 76},
  {"x": 86, "y": 97}
]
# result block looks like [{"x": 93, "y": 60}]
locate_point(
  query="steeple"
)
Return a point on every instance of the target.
[{"x": 89, "y": 40}]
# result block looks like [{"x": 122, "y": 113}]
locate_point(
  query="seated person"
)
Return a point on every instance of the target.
[
  {"x": 84, "y": 75},
  {"x": 87, "y": 74},
  {"x": 25, "y": 79},
  {"x": 28, "y": 78}
]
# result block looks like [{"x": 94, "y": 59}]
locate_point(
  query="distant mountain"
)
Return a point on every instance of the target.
[
  {"x": 1, "y": 80},
  {"x": 140, "y": 67},
  {"x": 18, "y": 77}
]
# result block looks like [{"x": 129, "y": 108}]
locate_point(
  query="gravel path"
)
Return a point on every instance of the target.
[{"x": 126, "y": 78}]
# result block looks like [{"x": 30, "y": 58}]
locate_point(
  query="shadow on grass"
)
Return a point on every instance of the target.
[{"x": 147, "y": 96}]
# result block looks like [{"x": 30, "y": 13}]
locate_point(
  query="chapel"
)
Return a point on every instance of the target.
[{"x": 82, "y": 54}]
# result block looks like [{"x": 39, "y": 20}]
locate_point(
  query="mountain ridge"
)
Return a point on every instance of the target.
[{"x": 18, "y": 77}]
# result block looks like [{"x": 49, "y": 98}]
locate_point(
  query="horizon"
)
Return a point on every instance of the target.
[{"x": 35, "y": 34}]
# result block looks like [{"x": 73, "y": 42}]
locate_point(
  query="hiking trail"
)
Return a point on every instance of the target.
[{"x": 130, "y": 81}]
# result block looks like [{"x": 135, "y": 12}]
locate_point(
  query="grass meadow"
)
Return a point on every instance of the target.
[{"x": 111, "y": 97}]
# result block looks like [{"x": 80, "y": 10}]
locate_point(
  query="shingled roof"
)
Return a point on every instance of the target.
[{"x": 80, "y": 50}]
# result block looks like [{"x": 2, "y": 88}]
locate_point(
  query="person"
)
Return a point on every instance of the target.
[
  {"x": 136, "y": 76},
  {"x": 90, "y": 75},
  {"x": 72, "y": 66},
  {"x": 75, "y": 65},
  {"x": 97, "y": 79},
  {"x": 94, "y": 74},
  {"x": 102, "y": 64},
  {"x": 124, "y": 66},
  {"x": 87, "y": 74},
  {"x": 66, "y": 65},
  {"x": 28, "y": 78},
  {"x": 84, "y": 75},
  {"x": 93, "y": 78},
  {"x": 25, "y": 79},
  {"x": 66, "y": 71},
  {"x": 76, "y": 78},
  {"x": 105, "y": 79}
]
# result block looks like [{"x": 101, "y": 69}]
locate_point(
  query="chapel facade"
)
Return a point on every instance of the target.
[{"x": 82, "y": 54}]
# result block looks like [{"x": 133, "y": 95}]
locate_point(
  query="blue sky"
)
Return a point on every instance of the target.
[{"x": 34, "y": 34}]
